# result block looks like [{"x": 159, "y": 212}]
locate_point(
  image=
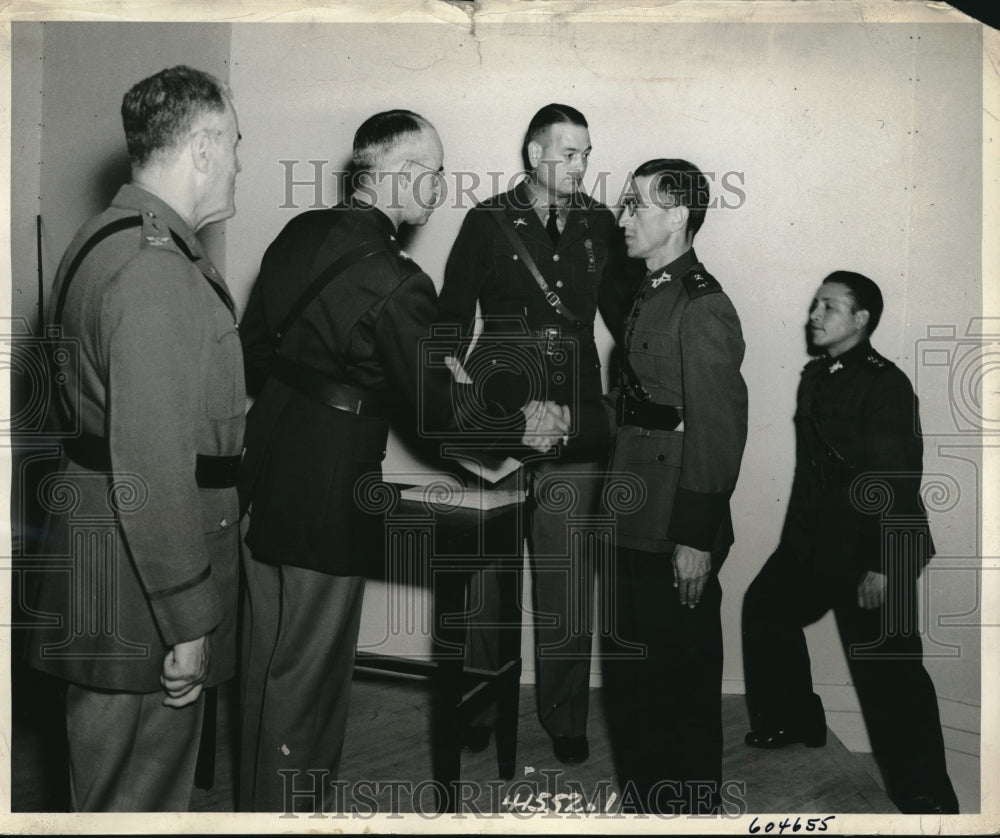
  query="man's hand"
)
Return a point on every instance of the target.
[
  {"x": 691, "y": 569},
  {"x": 545, "y": 424},
  {"x": 185, "y": 669},
  {"x": 871, "y": 590}
]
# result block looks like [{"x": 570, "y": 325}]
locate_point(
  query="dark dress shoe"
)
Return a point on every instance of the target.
[
  {"x": 475, "y": 738},
  {"x": 928, "y": 804},
  {"x": 571, "y": 749},
  {"x": 815, "y": 738}
]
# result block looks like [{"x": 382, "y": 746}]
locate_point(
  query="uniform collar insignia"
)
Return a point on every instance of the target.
[
  {"x": 875, "y": 360},
  {"x": 659, "y": 279},
  {"x": 520, "y": 222},
  {"x": 836, "y": 365},
  {"x": 158, "y": 241}
]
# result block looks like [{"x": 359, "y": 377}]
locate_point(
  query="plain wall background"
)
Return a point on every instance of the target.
[
  {"x": 68, "y": 156},
  {"x": 860, "y": 148}
]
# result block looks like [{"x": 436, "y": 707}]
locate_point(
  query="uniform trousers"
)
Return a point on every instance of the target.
[
  {"x": 562, "y": 563},
  {"x": 300, "y": 633},
  {"x": 662, "y": 675},
  {"x": 129, "y": 753},
  {"x": 884, "y": 655}
]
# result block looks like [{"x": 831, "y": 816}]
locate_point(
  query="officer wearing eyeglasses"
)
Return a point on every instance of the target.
[{"x": 681, "y": 416}]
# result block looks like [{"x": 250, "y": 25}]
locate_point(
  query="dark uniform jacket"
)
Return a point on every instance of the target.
[
  {"x": 143, "y": 558},
  {"x": 858, "y": 466},
  {"x": 307, "y": 464},
  {"x": 514, "y": 360},
  {"x": 684, "y": 344}
]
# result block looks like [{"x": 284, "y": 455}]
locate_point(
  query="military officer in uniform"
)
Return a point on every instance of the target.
[
  {"x": 145, "y": 504},
  {"x": 855, "y": 539},
  {"x": 536, "y": 259},
  {"x": 331, "y": 339},
  {"x": 680, "y": 414}
]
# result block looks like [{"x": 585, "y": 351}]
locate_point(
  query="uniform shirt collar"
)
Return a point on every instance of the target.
[
  {"x": 521, "y": 198},
  {"x": 852, "y": 357},
  {"x": 133, "y": 197},
  {"x": 374, "y": 216},
  {"x": 676, "y": 269}
]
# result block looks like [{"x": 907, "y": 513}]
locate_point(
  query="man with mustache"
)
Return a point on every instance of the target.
[{"x": 681, "y": 417}]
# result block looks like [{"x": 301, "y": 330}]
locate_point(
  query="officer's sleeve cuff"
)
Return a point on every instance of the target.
[
  {"x": 188, "y": 611},
  {"x": 696, "y": 518}
]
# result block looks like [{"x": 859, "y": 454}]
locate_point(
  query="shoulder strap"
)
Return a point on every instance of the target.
[
  {"x": 698, "y": 282},
  {"x": 550, "y": 296},
  {"x": 322, "y": 279},
  {"x": 105, "y": 232},
  {"x": 58, "y": 381}
]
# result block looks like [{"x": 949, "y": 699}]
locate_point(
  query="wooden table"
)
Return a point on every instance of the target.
[{"x": 447, "y": 546}]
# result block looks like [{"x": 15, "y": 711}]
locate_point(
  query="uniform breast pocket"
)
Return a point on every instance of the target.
[
  {"x": 840, "y": 424},
  {"x": 225, "y": 396},
  {"x": 656, "y": 449},
  {"x": 651, "y": 342},
  {"x": 508, "y": 262}
]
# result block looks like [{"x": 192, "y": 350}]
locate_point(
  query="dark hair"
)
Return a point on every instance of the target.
[
  {"x": 865, "y": 295},
  {"x": 681, "y": 183},
  {"x": 158, "y": 111},
  {"x": 551, "y": 114},
  {"x": 378, "y": 134}
]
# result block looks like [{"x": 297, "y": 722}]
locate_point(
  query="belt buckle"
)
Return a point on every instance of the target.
[
  {"x": 551, "y": 336},
  {"x": 627, "y": 410}
]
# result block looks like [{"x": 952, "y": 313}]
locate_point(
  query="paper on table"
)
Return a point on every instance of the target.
[
  {"x": 463, "y": 497},
  {"x": 488, "y": 468}
]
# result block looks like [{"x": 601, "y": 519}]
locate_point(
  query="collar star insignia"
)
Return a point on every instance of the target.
[
  {"x": 836, "y": 365},
  {"x": 657, "y": 281},
  {"x": 520, "y": 222}
]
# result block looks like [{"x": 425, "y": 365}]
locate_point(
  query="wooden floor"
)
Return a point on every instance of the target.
[{"x": 387, "y": 762}]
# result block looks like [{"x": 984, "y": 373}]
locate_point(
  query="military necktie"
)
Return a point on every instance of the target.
[{"x": 552, "y": 225}]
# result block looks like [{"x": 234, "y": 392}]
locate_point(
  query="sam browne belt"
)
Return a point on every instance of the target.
[
  {"x": 332, "y": 393},
  {"x": 647, "y": 414}
]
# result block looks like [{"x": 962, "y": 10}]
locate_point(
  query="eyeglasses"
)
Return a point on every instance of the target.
[
  {"x": 630, "y": 203},
  {"x": 438, "y": 171}
]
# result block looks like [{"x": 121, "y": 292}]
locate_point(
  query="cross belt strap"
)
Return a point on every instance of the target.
[
  {"x": 551, "y": 297},
  {"x": 210, "y": 472},
  {"x": 321, "y": 280}
]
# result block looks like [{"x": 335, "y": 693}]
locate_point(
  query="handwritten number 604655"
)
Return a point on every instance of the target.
[{"x": 810, "y": 825}]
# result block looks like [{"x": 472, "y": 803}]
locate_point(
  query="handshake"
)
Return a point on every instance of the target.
[{"x": 545, "y": 424}]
